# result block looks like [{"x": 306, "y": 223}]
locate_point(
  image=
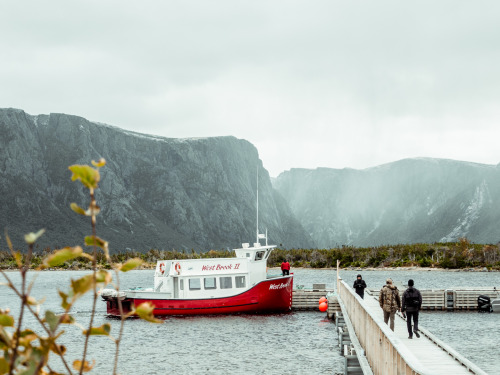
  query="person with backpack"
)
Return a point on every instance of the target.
[
  {"x": 412, "y": 303},
  {"x": 359, "y": 286},
  {"x": 389, "y": 301}
]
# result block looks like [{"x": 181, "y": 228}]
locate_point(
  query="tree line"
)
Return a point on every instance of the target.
[{"x": 460, "y": 254}]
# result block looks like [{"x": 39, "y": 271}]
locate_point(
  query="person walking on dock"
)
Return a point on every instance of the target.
[
  {"x": 359, "y": 286},
  {"x": 285, "y": 268},
  {"x": 412, "y": 303},
  {"x": 389, "y": 301}
]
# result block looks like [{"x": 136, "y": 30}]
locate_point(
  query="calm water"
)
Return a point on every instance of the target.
[{"x": 295, "y": 343}]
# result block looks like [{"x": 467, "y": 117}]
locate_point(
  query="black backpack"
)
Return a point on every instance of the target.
[{"x": 413, "y": 300}]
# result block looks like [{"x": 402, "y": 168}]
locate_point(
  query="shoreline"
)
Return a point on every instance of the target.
[{"x": 360, "y": 269}]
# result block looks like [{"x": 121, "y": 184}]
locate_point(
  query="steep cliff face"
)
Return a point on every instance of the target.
[
  {"x": 155, "y": 192},
  {"x": 412, "y": 200}
]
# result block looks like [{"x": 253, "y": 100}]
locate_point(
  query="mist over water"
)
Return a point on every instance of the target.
[{"x": 294, "y": 343}]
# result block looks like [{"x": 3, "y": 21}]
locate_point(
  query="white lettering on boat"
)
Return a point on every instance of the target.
[{"x": 277, "y": 286}]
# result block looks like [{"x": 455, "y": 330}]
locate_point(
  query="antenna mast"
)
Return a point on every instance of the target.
[{"x": 257, "y": 228}]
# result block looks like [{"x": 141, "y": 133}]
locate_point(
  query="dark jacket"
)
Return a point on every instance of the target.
[
  {"x": 412, "y": 300},
  {"x": 359, "y": 286}
]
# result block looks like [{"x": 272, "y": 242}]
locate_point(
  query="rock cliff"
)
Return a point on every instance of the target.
[
  {"x": 408, "y": 201},
  {"x": 155, "y": 192}
]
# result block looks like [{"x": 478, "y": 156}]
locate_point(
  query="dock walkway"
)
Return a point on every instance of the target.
[
  {"x": 424, "y": 349},
  {"x": 391, "y": 352}
]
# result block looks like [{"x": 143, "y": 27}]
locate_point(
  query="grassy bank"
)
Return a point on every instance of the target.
[{"x": 455, "y": 255}]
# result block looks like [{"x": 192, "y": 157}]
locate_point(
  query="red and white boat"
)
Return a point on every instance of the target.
[{"x": 211, "y": 286}]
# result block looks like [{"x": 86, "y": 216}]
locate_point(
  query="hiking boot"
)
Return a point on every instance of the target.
[{"x": 417, "y": 334}]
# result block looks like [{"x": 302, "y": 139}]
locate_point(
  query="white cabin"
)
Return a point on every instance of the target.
[{"x": 212, "y": 277}]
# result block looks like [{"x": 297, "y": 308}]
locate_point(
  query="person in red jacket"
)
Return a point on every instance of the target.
[{"x": 285, "y": 268}]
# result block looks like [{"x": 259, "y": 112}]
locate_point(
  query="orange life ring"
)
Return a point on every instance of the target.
[
  {"x": 178, "y": 268},
  {"x": 162, "y": 268}
]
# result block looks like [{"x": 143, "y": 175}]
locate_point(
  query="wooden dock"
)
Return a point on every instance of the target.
[
  {"x": 459, "y": 298},
  {"x": 307, "y": 299},
  {"x": 393, "y": 353}
]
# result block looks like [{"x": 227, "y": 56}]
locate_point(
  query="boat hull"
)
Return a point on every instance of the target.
[{"x": 268, "y": 296}]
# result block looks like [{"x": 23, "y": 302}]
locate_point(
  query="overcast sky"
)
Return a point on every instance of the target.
[{"x": 309, "y": 83}]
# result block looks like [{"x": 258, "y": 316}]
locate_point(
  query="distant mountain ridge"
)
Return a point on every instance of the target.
[
  {"x": 155, "y": 192},
  {"x": 408, "y": 201},
  {"x": 199, "y": 193}
]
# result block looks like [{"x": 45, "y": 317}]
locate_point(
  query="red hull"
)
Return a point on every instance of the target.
[{"x": 268, "y": 296}]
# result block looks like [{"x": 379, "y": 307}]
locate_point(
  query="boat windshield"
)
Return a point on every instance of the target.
[{"x": 259, "y": 255}]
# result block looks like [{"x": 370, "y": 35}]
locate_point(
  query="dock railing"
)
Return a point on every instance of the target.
[{"x": 385, "y": 352}]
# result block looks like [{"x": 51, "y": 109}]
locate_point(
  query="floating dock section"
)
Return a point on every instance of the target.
[
  {"x": 307, "y": 299},
  {"x": 449, "y": 299}
]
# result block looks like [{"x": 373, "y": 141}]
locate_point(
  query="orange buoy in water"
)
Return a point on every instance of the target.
[
  {"x": 322, "y": 299},
  {"x": 323, "y": 306}
]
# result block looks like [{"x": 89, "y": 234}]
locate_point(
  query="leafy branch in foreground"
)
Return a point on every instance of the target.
[{"x": 23, "y": 351}]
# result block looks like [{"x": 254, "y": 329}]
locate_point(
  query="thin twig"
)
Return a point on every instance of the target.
[
  {"x": 122, "y": 323},
  {"x": 94, "y": 268},
  {"x": 39, "y": 319},
  {"x": 23, "y": 269},
  {"x": 58, "y": 351}
]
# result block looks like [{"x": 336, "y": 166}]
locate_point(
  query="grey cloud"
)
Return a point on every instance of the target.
[{"x": 333, "y": 71}]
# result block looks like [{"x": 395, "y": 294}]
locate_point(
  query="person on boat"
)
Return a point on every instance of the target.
[
  {"x": 389, "y": 301},
  {"x": 285, "y": 268},
  {"x": 359, "y": 286},
  {"x": 411, "y": 305}
]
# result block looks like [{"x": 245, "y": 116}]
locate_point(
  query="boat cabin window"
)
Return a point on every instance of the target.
[
  {"x": 194, "y": 284},
  {"x": 210, "y": 283},
  {"x": 248, "y": 255},
  {"x": 239, "y": 281},
  {"x": 181, "y": 284},
  {"x": 259, "y": 255},
  {"x": 226, "y": 282}
]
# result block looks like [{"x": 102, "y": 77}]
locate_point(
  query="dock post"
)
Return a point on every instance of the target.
[{"x": 450, "y": 299}]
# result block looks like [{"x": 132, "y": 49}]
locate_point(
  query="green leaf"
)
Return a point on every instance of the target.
[
  {"x": 67, "y": 319},
  {"x": 104, "y": 277},
  {"x": 52, "y": 320},
  {"x": 19, "y": 258},
  {"x": 4, "y": 366},
  {"x": 102, "y": 330},
  {"x": 58, "y": 349},
  {"x": 9, "y": 242},
  {"x": 131, "y": 264},
  {"x": 61, "y": 256},
  {"x": 145, "y": 311},
  {"x": 26, "y": 337},
  {"x": 64, "y": 303},
  {"x": 81, "y": 285},
  {"x": 94, "y": 240},
  {"x": 85, "y": 366},
  {"x": 87, "y": 175},
  {"x": 31, "y": 238},
  {"x": 100, "y": 163},
  {"x": 30, "y": 300},
  {"x": 78, "y": 209},
  {"x": 5, "y": 339},
  {"x": 6, "y": 320}
]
